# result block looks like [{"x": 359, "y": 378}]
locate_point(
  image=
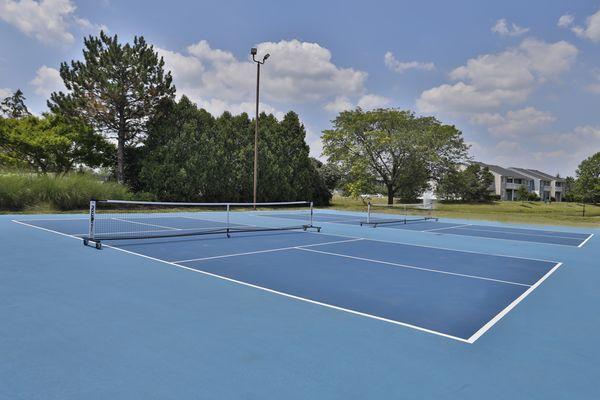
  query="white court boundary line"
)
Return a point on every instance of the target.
[
  {"x": 473, "y": 228},
  {"x": 470, "y": 340},
  {"x": 291, "y": 296},
  {"x": 586, "y": 240},
  {"x": 512, "y": 305}
]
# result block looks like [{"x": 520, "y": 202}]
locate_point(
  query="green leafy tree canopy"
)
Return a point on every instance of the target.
[
  {"x": 394, "y": 148},
  {"x": 49, "y": 144},
  {"x": 588, "y": 179}
]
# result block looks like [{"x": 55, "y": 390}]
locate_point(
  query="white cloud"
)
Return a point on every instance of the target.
[
  {"x": 493, "y": 80},
  {"x": 372, "y": 101},
  {"x": 400, "y": 67},
  {"x": 565, "y": 20},
  {"x": 46, "y": 81},
  {"x": 339, "y": 104},
  {"x": 217, "y": 107},
  {"x": 515, "y": 122},
  {"x": 462, "y": 98},
  {"x": 297, "y": 72},
  {"x": 591, "y": 30},
  {"x": 88, "y": 26},
  {"x": 183, "y": 68},
  {"x": 594, "y": 87},
  {"x": 366, "y": 102},
  {"x": 503, "y": 28},
  {"x": 203, "y": 52},
  {"x": 48, "y": 21},
  {"x": 507, "y": 145},
  {"x": 5, "y": 92}
]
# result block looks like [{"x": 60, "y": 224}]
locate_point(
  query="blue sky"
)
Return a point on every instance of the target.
[{"x": 521, "y": 80}]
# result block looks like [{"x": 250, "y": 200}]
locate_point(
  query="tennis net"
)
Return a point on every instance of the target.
[
  {"x": 128, "y": 220},
  {"x": 379, "y": 214}
]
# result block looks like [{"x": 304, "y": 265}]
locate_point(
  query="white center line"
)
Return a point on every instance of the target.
[
  {"x": 417, "y": 268},
  {"x": 141, "y": 223}
]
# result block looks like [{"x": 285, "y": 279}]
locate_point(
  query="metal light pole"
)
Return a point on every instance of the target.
[{"x": 258, "y": 64}]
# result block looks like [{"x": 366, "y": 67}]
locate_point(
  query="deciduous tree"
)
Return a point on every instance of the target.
[{"x": 395, "y": 148}]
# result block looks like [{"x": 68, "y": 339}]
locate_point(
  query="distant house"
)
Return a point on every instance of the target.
[
  {"x": 546, "y": 186},
  {"x": 507, "y": 181}
]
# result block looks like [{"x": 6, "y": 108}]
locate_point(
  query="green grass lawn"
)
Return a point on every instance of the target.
[{"x": 528, "y": 212}]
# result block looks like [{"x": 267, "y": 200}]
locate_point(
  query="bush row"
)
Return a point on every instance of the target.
[{"x": 22, "y": 191}]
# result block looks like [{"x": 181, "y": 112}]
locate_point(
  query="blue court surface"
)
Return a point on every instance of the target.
[{"x": 398, "y": 311}]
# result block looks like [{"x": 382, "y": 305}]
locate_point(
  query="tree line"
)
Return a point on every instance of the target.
[{"x": 119, "y": 112}]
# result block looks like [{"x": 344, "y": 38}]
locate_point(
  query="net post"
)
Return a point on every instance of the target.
[
  {"x": 92, "y": 226},
  {"x": 227, "y": 225},
  {"x": 369, "y": 212},
  {"x": 311, "y": 214}
]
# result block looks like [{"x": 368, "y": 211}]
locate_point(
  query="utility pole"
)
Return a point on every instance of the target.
[{"x": 253, "y": 51}]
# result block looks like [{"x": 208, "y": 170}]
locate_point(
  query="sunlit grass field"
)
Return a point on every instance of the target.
[{"x": 527, "y": 212}]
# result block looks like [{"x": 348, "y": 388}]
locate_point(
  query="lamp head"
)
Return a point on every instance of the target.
[
  {"x": 266, "y": 56},
  {"x": 253, "y": 51}
]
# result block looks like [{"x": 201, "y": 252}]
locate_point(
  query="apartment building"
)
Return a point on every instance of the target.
[
  {"x": 545, "y": 186},
  {"x": 507, "y": 182}
]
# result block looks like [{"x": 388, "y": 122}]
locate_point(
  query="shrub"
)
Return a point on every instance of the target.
[
  {"x": 533, "y": 197},
  {"x": 21, "y": 191}
]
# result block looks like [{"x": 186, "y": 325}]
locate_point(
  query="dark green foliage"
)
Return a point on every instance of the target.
[
  {"x": 523, "y": 193},
  {"x": 393, "y": 148},
  {"x": 588, "y": 179},
  {"x": 570, "y": 190},
  {"x": 115, "y": 89},
  {"x": 51, "y": 144},
  {"x": 532, "y": 197},
  {"x": 473, "y": 184},
  {"x": 330, "y": 174},
  {"x": 190, "y": 155},
  {"x": 14, "y": 106}
]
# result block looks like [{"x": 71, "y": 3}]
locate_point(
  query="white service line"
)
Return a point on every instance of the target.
[
  {"x": 99, "y": 220},
  {"x": 417, "y": 268},
  {"x": 266, "y": 251},
  {"x": 447, "y": 227},
  {"x": 512, "y": 305},
  {"x": 516, "y": 233},
  {"x": 585, "y": 241}
]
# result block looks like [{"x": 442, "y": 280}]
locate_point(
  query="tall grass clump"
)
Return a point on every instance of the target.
[{"x": 23, "y": 191}]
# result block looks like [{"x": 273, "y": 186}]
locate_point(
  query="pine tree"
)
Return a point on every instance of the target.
[
  {"x": 14, "y": 106},
  {"x": 116, "y": 89}
]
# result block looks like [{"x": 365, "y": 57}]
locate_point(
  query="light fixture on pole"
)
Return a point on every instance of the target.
[{"x": 253, "y": 51}]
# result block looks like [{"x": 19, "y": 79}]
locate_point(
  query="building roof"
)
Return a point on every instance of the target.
[
  {"x": 549, "y": 177},
  {"x": 503, "y": 171},
  {"x": 534, "y": 173}
]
